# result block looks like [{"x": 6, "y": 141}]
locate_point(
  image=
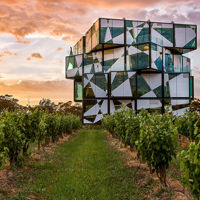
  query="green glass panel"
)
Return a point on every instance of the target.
[
  {"x": 101, "y": 81},
  {"x": 88, "y": 105},
  {"x": 129, "y": 23},
  {"x": 133, "y": 61},
  {"x": 191, "y": 87},
  {"x": 191, "y": 44},
  {"x": 143, "y": 36},
  {"x": 166, "y": 90},
  {"x": 168, "y": 33},
  {"x": 158, "y": 91},
  {"x": 143, "y": 87},
  {"x": 88, "y": 59},
  {"x": 169, "y": 66},
  {"x": 103, "y": 34},
  {"x": 143, "y": 47},
  {"x": 89, "y": 91},
  {"x": 143, "y": 61},
  {"x": 133, "y": 85},
  {"x": 71, "y": 63},
  {"x": 78, "y": 91},
  {"x": 118, "y": 80},
  {"x": 115, "y": 31}
]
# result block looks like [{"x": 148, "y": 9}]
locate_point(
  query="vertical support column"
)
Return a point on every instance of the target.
[
  {"x": 109, "y": 91},
  {"x": 149, "y": 22},
  {"x": 83, "y": 71},
  {"x": 163, "y": 83},
  {"x": 136, "y": 92},
  {"x": 125, "y": 68}
]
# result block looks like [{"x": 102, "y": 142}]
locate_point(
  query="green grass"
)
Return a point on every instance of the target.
[{"x": 84, "y": 168}]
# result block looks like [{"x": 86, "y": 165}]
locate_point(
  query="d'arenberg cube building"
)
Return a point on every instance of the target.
[{"x": 138, "y": 63}]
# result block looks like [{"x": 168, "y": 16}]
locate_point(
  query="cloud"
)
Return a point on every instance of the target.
[
  {"x": 69, "y": 19},
  {"x": 36, "y": 55},
  {"x": 36, "y": 90},
  {"x": 59, "y": 49},
  {"x": 8, "y": 53},
  {"x": 21, "y": 41}
]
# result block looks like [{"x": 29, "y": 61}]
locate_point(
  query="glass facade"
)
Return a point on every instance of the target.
[
  {"x": 78, "y": 94},
  {"x": 136, "y": 63}
]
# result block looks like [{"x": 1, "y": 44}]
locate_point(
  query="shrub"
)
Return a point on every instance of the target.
[{"x": 157, "y": 142}]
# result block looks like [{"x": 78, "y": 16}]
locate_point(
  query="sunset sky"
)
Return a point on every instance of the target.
[{"x": 36, "y": 35}]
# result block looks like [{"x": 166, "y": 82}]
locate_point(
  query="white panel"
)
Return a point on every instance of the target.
[
  {"x": 106, "y": 23},
  {"x": 127, "y": 88},
  {"x": 143, "y": 104},
  {"x": 87, "y": 68},
  {"x": 177, "y": 63},
  {"x": 118, "y": 65},
  {"x": 89, "y": 76},
  {"x": 119, "y": 91},
  {"x": 85, "y": 121},
  {"x": 80, "y": 71},
  {"x": 98, "y": 118},
  {"x": 104, "y": 107},
  {"x": 153, "y": 80},
  {"x": 179, "y": 101},
  {"x": 166, "y": 78},
  {"x": 72, "y": 72},
  {"x": 113, "y": 74},
  {"x": 112, "y": 107},
  {"x": 148, "y": 104},
  {"x": 85, "y": 81},
  {"x": 79, "y": 60},
  {"x": 129, "y": 38},
  {"x": 118, "y": 52},
  {"x": 190, "y": 34},
  {"x": 149, "y": 94},
  {"x": 179, "y": 86},
  {"x": 119, "y": 39},
  {"x": 98, "y": 92},
  {"x": 180, "y": 37},
  {"x": 180, "y": 112},
  {"x": 155, "y": 36},
  {"x": 183, "y": 85},
  {"x": 155, "y": 104},
  {"x": 108, "y": 35},
  {"x": 130, "y": 74},
  {"x": 173, "y": 87},
  {"x": 118, "y": 23},
  {"x": 92, "y": 111}
]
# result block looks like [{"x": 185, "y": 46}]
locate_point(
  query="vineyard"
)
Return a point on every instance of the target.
[{"x": 157, "y": 139}]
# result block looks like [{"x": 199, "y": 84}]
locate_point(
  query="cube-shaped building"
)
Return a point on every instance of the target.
[{"x": 138, "y": 63}]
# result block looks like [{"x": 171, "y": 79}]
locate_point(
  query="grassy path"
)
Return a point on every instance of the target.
[{"x": 84, "y": 168}]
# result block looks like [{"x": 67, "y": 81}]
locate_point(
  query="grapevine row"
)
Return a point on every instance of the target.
[
  {"x": 21, "y": 128},
  {"x": 154, "y": 136}
]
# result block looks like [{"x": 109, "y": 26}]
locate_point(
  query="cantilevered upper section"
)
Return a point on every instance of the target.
[{"x": 128, "y": 45}]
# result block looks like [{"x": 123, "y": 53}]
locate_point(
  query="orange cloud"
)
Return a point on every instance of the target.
[
  {"x": 20, "y": 41},
  {"x": 8, "y": 53},
  {"x": 36, "y": 90},
  {"x": 69, "y": 19},
  {"x": 59, "y": 49},
  {"x": 36, "y": 55}
]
